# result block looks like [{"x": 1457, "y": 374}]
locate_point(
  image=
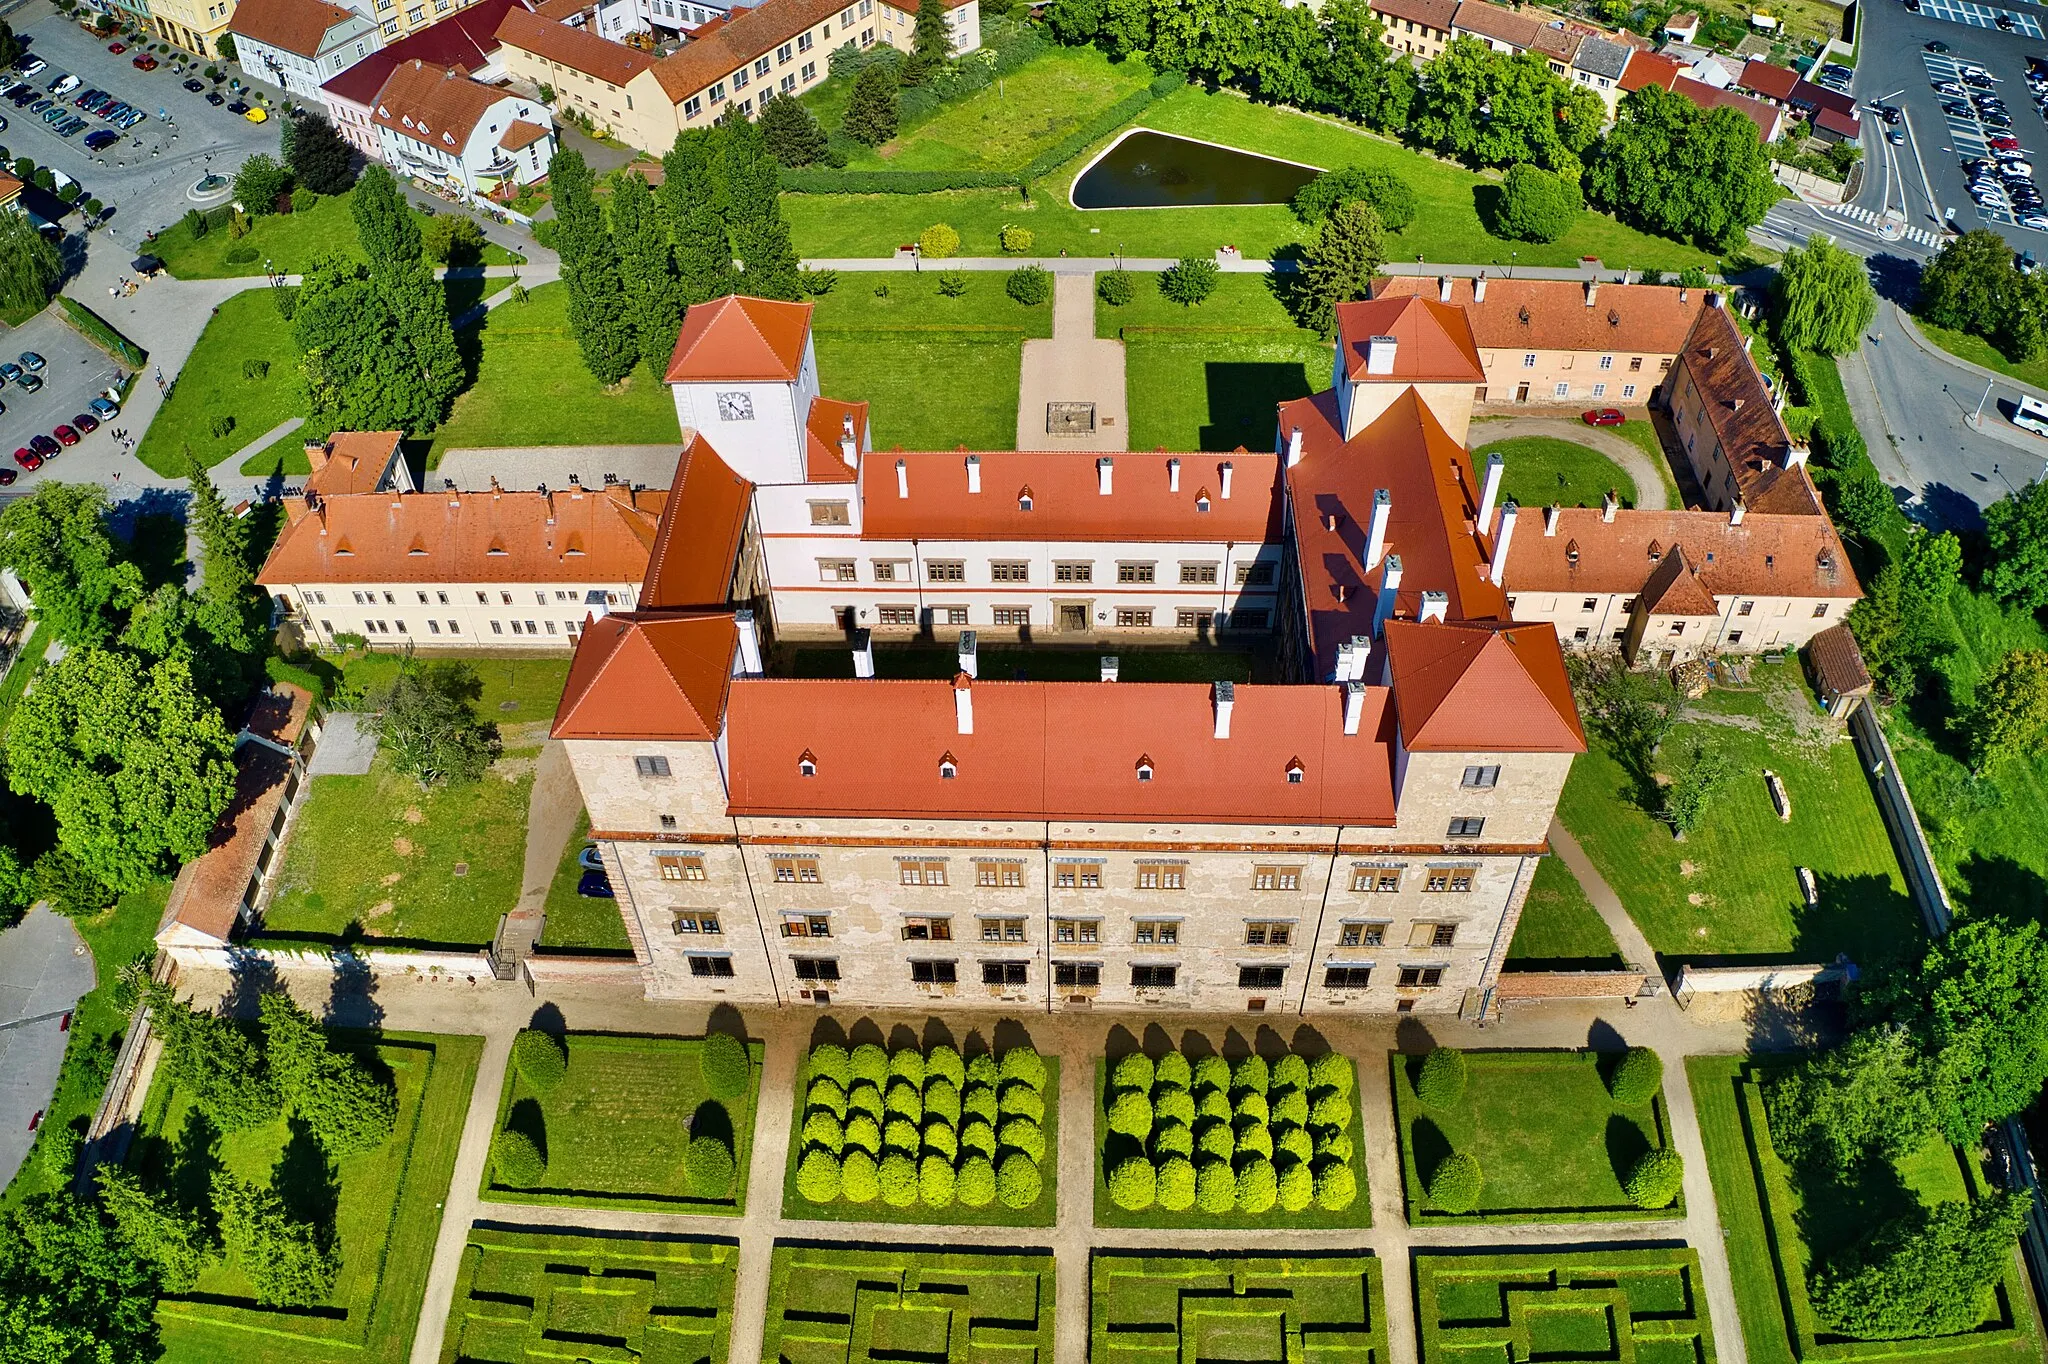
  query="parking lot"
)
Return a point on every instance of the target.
[
  {"x": 74, "y": 373},
  {"x": 2022, "y": 21}
]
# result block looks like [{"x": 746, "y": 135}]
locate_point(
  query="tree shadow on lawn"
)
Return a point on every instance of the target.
[
  {"x": 306, "y": 1180},
  {"x": 1840, "y": 1210},
  {"x": 2002, "y": 887},
  {"x": 1430, "y": 1146},
  {"x": 528, "y": 1117},
  {"x": 1244, "y": 397},
  {"x": 184, "y": 1169},
  {"x": 1626, "y": 1145},
  {"x": 712, "y": 1119},
  {"x": 1863, "y": 917}
]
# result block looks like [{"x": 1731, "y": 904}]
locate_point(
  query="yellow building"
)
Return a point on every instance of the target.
[{"x": 194, "y": 25}]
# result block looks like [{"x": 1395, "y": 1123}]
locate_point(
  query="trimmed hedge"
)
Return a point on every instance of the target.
[
  {"x": 709, "y": 1164},
  {"x": 542, "y": 1059},
  {"x": 1673, "y": 1324},
  {"x": 1442, "y": 1081},
  {"x": 1656, "y": 1179},
  {"x": 517, "y": 1160},
  {"x": 1638, "y": 1077},
  {"x": 722, "y": 1059},
  {"x": 1455, "y": 1185},
  {"x": 102, "y": 333},
  {"x": 1316, "y": 1306}
]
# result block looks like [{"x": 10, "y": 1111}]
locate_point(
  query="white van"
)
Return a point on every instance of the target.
[{"x": 2031, "y": 415}]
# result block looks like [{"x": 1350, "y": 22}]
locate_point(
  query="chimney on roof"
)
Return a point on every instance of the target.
[
  {"x": 902, "y": 479},
  {"x": 1379, "y": 354},
  {"x": 1551, "y": 514},
  {"x": 1443, "y": 289},
  {"x": 1435, "y": 606},
  {"x": 1592, "y": 291},
  {"x": 863, "y": 654},
  {"x": 1795, "y": 455},
  {"x": 1715, "y": 300},
  {"x": 1747, "y": 341},
  {"x": 1173, "y": 475},
  {"x": 1109, "y": 667},
  {"x": 1479, "y": 289},
  {"x": 974, "y": 473},
  {"x": 1354, "y": 706},
  {"x": 1390, "y": 588},
  {"x": 317, "y": 452},
  {"x": 849, "y": 450},
  {"x": 1104, "y": 469},
  {"x": 1682, "y": 292},
  {"x": 1508, "y": 512},
  {"x": 496, "y": 491},
  {"x": 1226, "y": 701},
  {"x": 1340, "y": 673},
  {"x": 1376, "y": 533},
  {"x": 1294, "y": 447},
  {"x": 1361, "y": 650},
  {"x": 1342, "y": 592},
  {"x": 1609, "y": 507},
  {"x": 1491, "y": 490},
  {"x": 750, "y": 642},
  {"x": 1737, "y": 511},
  {"x": 963, "y": 703},
  {"x": 1228, "y": 468},
  {"x": 970, "y": 653}
]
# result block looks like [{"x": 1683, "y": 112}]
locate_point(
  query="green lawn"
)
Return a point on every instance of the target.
[
  {"x": 1552, "y": 1143},
  {"x": 1978, "y": 351},
  {"x": 1560, "y": 929},
  {"x": 580, "y": 922},
  {"x": 1113, "y": 1148},
  {"x": 376, "y": 855},
  {"x": 1446, "y": 227},
  {"x": 532, "y": 389},
  {"x": 1579, "y": 1303},
  {"x": 614, "y": 1130},
  {"x": 1540, "y": 470},
  {"x": 290, "y": 242},
  {"x": 385, "y": 1207},
  {"x": 882, "y": 337},
  {"x": 212, "y": 384},
  {"x": 833, "y": 1302},
  {"x": 996, "y": 1214},
  {"x": 1773, "y": 1233},
  {"x": 27, "y": 660},
  {"x": 1243, "y": 1306},
  {"x": 1038, "y": 663},
  {"x": 1732, "y": 887},
  {"x": 523, "y": 1295}
]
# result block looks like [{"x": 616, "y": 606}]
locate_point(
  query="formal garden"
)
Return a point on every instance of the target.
[
  {"x": 1857, "y": 1255},
  {"x": 1567, "y": 1304},
  {"x": 1535, "y": 1136},
  {"x": 524, "y": 1297},
  {"x": 604, "y": 1120},
  {"x": 1190, "y": 1139},
  {"x": 833, "y": 1304},
  {"x": 965, "y": 1136},
  {"x": 285, "y": 1183},
  {"x": 1148, "y": 1308}
]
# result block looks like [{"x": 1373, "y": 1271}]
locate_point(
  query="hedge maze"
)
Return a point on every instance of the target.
[
  {"x": 830, "y": 1305},
  {"x": 1248, "y": 1309},
  {"x": 538, "y": 1296},
  {"x": 1563, "y": 1307}
]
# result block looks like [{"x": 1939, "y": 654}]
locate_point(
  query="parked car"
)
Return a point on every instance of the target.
[
  {"x": 44, "y": 445},
  {"x": 100, "y": 139},
  {"x": 2037, "y": 221},
  {"x": 33, "y": 363},
  {"x": 596, "y": 885},
  {"x": 195, "y": 86},
  {"x": 117, "y": 48},
  {"x": 257, "y": 115},
  {"x": 67, "y": 435},
  {"x": 86, "y": 422},
  {"x": 238, "y": 107},
  {"x": 106, "y": 407},
  {"x": 32, "y": 66},
  {"x": 7, "y": 477},
  {"x": 215, "y": 98},
  {"x": 590, "y": 859},
  {"x": 31, "y": 383},
  {"x": 10, "y": 373},
  {"x": 66, "y": 85},
  {"x": 71, "y": 127},
  {"x": 1603, "y": 416},
  {"x": 28, "y": 459},
  {"x": 145, "y": 63}
]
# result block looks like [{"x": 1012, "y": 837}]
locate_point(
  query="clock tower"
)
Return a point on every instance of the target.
[{"x": 744, "y": 375}]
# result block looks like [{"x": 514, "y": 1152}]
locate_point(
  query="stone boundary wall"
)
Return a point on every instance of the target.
[
  {"x": 1707, "y": 980},
  {"x": 1515, "y": 986},
  {"x": 1909, "y": 840}
]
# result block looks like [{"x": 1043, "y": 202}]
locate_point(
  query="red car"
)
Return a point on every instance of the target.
[
  {"x": 28, "y": 459},
  {"x": 117, "y": 48},
  {"x": 2003, "y": 143},
  {"x": 7, "y": 477},
  {"x": 86, "y": 422},
  {"x": 144, "y": 63},
  {"x": 66, "y": 436},
  {"x": 1603, "y": 416}
]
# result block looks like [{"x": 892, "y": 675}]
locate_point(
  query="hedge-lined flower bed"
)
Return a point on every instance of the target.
[
  {"x": 1202, "y": 1141},
  {"x": 924, "y": 1134}
]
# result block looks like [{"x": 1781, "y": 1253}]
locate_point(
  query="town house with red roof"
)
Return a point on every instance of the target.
[{"x": 298, "y": 44}]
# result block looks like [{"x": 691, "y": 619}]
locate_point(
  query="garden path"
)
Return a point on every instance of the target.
[
  {"x": 1652, "y": 483},
  {"x": 498, "y": 1011},
  {"x": 1073, "y": 366}
]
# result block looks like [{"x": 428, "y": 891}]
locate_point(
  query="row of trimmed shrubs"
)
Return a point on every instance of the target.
[{"x": 926, "y": 1126}]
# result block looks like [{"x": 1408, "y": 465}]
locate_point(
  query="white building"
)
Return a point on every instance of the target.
[
  {"x": 439, "y": 125},
  {"x": 298, "y": 44}
]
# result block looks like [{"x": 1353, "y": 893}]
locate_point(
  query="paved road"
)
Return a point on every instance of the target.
[{"x": 44, "y": 968}]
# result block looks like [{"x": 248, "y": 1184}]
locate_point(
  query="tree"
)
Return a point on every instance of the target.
[
  {"x": 930, "y": 44},
  {"x": 647, "y": 265},
  {"x": 693, "y": 193},
  {"x": 1972, "y": 285},
  {"x": 423, "y": 367},
  {"x": 726, "y": 1069},
  {"x": 517, "y": 1160},
  {"x": 1454, "y": 1185},
  {"x": 753, "y": 191},
  {"x": 1686, "y": 799},
  {"x": 1825, "y": 301},
  {"x": 1923, "y": 1274},
  {"x": 376, "y": 345},
  {"x": 708, "y": 1162},
  {"x": 790, "y": 131},
  {"x": 29, "y": 266},
  {"x": 1339, "y": 266},
  {"x": 1897, "y": 624},
  {"x": 231, "y": 609},
  {"x": 1669, "y": 167},
  {"x": 261, "y": 181},
  {"x": 1018, "y": 1181},
  {"x": 428, "y": 724},
  {"x": 1115, "y": 287},
  {"x": 290, "y": 1263},
  {"x": 134, "y": 765},
  {"x": 452, "y": 239},
  {"x": 1536, "y": 206},
  {"x": 386, "y": 225},
  {"x": 817, "y": 1177},
  {"x": 1637, "y": 1077},
  {"x": 1075, "y": 22},
  {"x": 1494, "y": 109},
  {"x": 216, "y": 1060},
  {"x": 871, "y": 113},
  {"x": 1189, "y": 280},
  {"x": 71, "y": 1291},
  {"x": 320, "y": 158},
  {"x": 2016, "y": 527},
  {"x": 1442, "y": 1081},
  {"x": 1356, "y": 74},
  {"x": 156, "y": 1230},
  {"x": 56, "y": 542},
  {"x": 349, "y": 1107},
  {"x": 1867, "y": 1096},
  {"x": 225, "y": 46},
  {"x": 599, "y": 316},
  {"x": 1387, "y": 192},
  {"x": 1658, "y": 1175},
  {"x": 2009, "y": 718},
  {"x": 11, "y": 50}
]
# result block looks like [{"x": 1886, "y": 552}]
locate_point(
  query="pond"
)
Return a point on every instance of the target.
[{"x": 1144, "y": 169}]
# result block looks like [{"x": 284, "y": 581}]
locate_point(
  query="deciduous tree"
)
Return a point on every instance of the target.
[
  {"x": 1824, "y": 298},
  {"x": 1972, "y": 285},
  {"x": 693, "y": 193},
  {"x": 2016, "y": 527},
  {"x": 1537, "y": 206},
  {"x": 260, "y": 182},
  {"x": 1671, "y": 168},
  {"x": 71, "y": 1291},
  {"x": 1866, "y": 1097},
  {"x": 56, "y": 542},
  {"x": 427, "y": 723},
  {"x": 2009, "y": 718},
  {"x": 1925, "y": 1274},
  {"x": 1899, "y": 624},
  {"x": 760, "y": 237},
  {"x": 1493, "y": 109},
  {"x": 29, "y": 266}
]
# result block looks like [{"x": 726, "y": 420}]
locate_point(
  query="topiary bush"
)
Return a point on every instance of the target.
[
  {"x": 1116, "y": 288},
  {"x": 899, "y": 1180},
  {"x": 1212, "y": 1072},
  {"x": 817, "y": 1176},
  {"x": 723, "y": 1062},
  {"x": 901, "y": 1134},
  {"x": 859, "y": 1178},
  {"x": 907, "y": 1063},
  {"x": 941, "y": 1140},
  {"x": 1656, "y": 1179},
  {"x": 1025, "y": 1064},
  {"x": 1257, "y": 1185},
  {"x": 1017, "y": 1180},
  {"x": 904, "y": 1100},
  {"x": 1253, "y": 1105},
  {"x": 1030, "y": 285},
  {"x": 1290, "y": 1072},
  {"x": 1294, "y": 1143},
  {"x": 1442, "y": 1081},
  {"x": 1333, "y": 1146},
  {"x": 1171, "y": 1103},
  {"x": 1016, "y": 240},
  {"x": 978, "y": 1101},
  {"x": 829, "y": 1059},
  {"x": 1297, "y": 1187},
  {"x": 541, "y": 1058},
  {"x": 864, "y": 1132},
  {"x": 1454, "y": 1185},
  {"x": 1291, "y": 1106},
  {"x": 1214, "y": 1103},
  {"x": 870, "y": 1063},
  {"x": 1173, "y": 1069},
  {"x": 821, "y": 1129},
  {"x": 938, "y": 242},
  {"x": 1172, "y": 1139},
  {"x": 826, "y": 1096},
  {"x": 1133, "y": 1072},
  {"x": 1331, "y": 1110},
  {"x": 1637, "y": 1077},
  {"x": 974, "y": 1185},
  {"x": 942, "y": 1100},
  {"x": 1022, "y": 1134},
  {"x": 1021, "y": 1101},
  {"x": 982, "y": 1070},
  {"x": 1215, "y": 1186},
  {"x": 978, "y": 1136},
  {"x": 708, "y": 1163},
  {"x": 864, "y": 1098},
  {"x": 1133, "y": 1184},
  {"x": 942, "y": 1062},
  {"x": 1336, "y": 1187},
  {"x": 1130, "y": 1114},
  {"x": 935, "y": 1181},
  {"x": 516, "y": 1160},
  {"x": 1331, "y": 1071},
  {"x": 1251, "y": 1075},
  {"x": 1216, "y": 1139},
  {"x": 1174, "y": 1184}
]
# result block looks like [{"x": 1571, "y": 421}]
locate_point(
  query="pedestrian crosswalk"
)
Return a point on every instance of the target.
[{"x": 1860, "y": 214}]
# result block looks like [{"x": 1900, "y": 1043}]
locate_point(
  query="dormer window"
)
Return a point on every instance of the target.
[
  {"x": 1024, "y": 498},
  {"x": 1296, "y": 773},
  {"x": 1656, "y": 552},
  {"x": 948, "y": 768},
  {"x": 1571, "y": 551},
  {"x": 1202, "y": 500},
  {"x": 1145, "y": 768},
  {"x": 806, "y": 765}
]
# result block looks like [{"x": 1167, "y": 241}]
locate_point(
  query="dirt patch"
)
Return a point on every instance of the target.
[
  {"x": 1707, "y": 717},
  {"x": 525, "y": 734},
  {"x": 402, "y": 846},
  {"x": 415, "y": 815},
  {"x": 1688, "y": 868},
  {"x": 1695, "y": 899},
  {"x": 516, "y": 769},
  {"x": 393, "y": 879},
  {"x": 379, "y": 910}
]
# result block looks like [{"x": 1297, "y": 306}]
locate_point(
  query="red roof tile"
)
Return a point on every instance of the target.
[
  {"x": 434, "y": 105},
  {"x": 466, "y": 38},
  {"x": 823, "y": 430},
  {"x": 1433, "y": 14},
  {"x": 1772, "y": 82},
  {"x": 351, "y": 461},
  {"x": 1649, "y": 68},
  {"x": 1767, "y": 118},
  {"x": 1767, "y": 555},
  {"x": 1516, "y": 30},
  {"x": 1552, "y": 314},
  {"x": 741, "y": 338},
  {"x": 637, "y": 676},
  {"x": 291, "y": 25},
  {"x": 521, "y": 135},
  {"x": 1482, "y": 687},
  {"x": 576, "y": 48},
  {"x": 1675, "y": 589},
  {"x": 697, "y": 546},
  {"x": 1738, "y": 406},
  {"x": 1433, "y": 341}
]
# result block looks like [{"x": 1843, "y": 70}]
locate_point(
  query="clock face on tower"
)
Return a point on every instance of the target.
[{"x": 735, "y": 407}]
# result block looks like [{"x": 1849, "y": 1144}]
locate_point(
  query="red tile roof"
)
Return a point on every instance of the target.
[
  {"x": 1772, "y": 82},
  {"x": 466, "y": 38},
  {"x": 740, "y": 339},
  {"x": 697, "y": 546},
  {"x": 637, "y": 676},
  {"x": 1768, "y": 555},
  {"x": 1552, "y": 314},
  {"x": 1067, "y": 504},
  {"x": 351, "y": 461},
  {"x": 1433, "y": 14},
  {"x": 1057, "y": 750},
  {"x": 1767, "y": 118},
  {"x": 1516, "y": 30},
  {"x": 521, "y": 135},
  {"x": 434, "y": 105},
  {"x": 715, "y": 50},
  {"x": 1738, "y": 406},
  {"x": 1649, "y": 68},
  {"x": 1837, "y": 663},
  {"x": 823, "y": 430},
  {"x": 1482, "y": 687},
  {"x": 1433, "y": 341},
  {"x": 1836, "y": 122},
  {"x": 1675, "y": 589},
  {"x": 290, "y": 25},
  {"x": 574, "y": 47}
]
